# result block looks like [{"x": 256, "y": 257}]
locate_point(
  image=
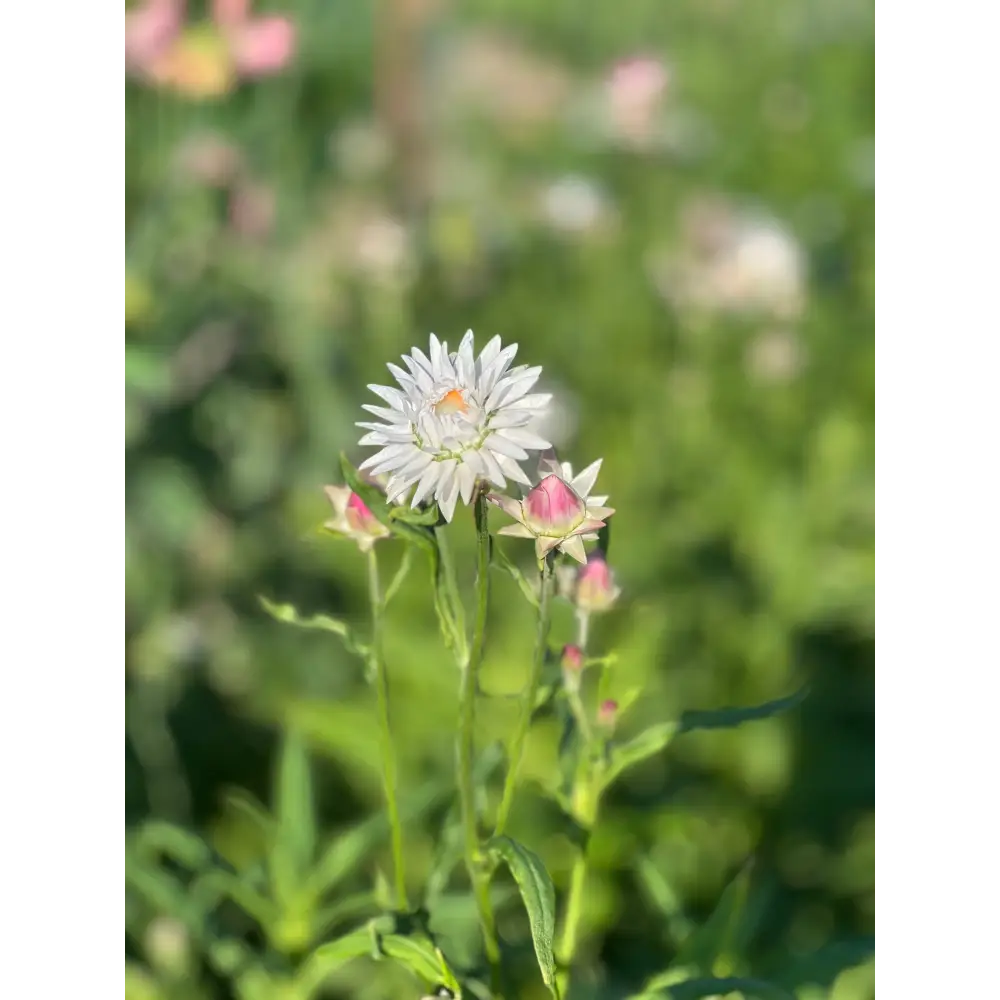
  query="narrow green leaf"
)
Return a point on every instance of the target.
[
  {"x": 725, "y": 718},
  {"x": 643, "y": 746},
  {"x": 345, "y": 852},
  {"x": 694, "y": 989},
  {"x": 664, "y": 898},
  {"x": 538, "y": 895},
  {"x": 329, "y": 957},
  {"x": 348, "y": 907},
  {"x": 157, "y": 837},
  {"x": 516, "y": 575},
  {"x": 210, "y": 888},
  {"x": 287, "y": 614},
  {"x": 420, "y": 958},
  {"x": 706, "y": 943},
  {"x": 400, "y": 575},
  {"x": 295, "y": 844},
  {"x": 247, "y": 805}
]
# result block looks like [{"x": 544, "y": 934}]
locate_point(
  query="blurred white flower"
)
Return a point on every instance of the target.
[
  {"x": 734, "y": 261},
  {"x": 774, "y": 356},
  {"x": 455, "y": 420},
  {"x": 573, "y": 204}
]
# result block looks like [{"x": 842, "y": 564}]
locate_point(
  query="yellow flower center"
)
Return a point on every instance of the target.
[{"x": 451, "y": 402}]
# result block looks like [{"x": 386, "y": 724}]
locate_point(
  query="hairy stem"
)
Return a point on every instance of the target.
[
  {"x": 530, "y": 694},
  {"x": 381, "y": 681}
]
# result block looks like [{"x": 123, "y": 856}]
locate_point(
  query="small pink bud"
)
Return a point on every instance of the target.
[
  {"x": 607, "y": 714},
  {"x": 595, "y": 585},
  {"x": 359, "y": 515},
  {"x": 552, "y": 508},
  {"x": 263, "y": 45},
  {"x": 572, "y": 658}
]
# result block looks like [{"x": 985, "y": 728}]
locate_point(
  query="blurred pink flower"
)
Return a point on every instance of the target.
[
  {"x": 259, "y": 45},
  {"x": 635, "y": 88},
  {"x": 206, "y": 59}
]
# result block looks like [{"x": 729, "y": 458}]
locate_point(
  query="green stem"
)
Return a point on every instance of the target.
[
  {"x": 530, "y": 695},
  {"x": 584, "y": 805},
  {"x": 466, "y": 746},
  {"x": 586, "y": 799},
  {"x": 378, "y": 672},
  {"x": 454, "y": 609}
]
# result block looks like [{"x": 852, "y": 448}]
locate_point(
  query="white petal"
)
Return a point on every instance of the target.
[
  {"x": 393, "y": 416},
  {"x": 493, "y": 471},
  {"x": 494, "y": 372},
  {"x": 584, "y": 482},
  {"x": 501, "y": 446},
  {"x": 511, "y": 418},
  {"x": 526, "y": 439},
  {"x": 420, "y": 375},
  {"x": 427, "y": 484},
  {"x": 512, "y": 470},
  {"x": 374, "y": 437},
  {"x": 475, "y": 462},
  {"x": 392, "y": 396},
  {"x": 573, "y": 546},
  {"x": 488, "y": 355},
  {"x": 507, "y": 392},
  {"x": 415, "y": 465},
  {"x": 422, "y": 360},
  {"x": 393, "y": 454},
  {"x": 466, "y": 481},
  {"x": 466, "y": 364},
  {"x": 448, "y": 499},
  {"x": 596, "y": 501},
  {"x": 538, "y": 401}
]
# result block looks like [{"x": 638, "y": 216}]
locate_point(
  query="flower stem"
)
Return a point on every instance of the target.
[
  {"x": 478, "y": 876},
  {"x": 584, "y": 806},
  {"x": 378, "y": 673},
  {"x": 530, "y": 694}
]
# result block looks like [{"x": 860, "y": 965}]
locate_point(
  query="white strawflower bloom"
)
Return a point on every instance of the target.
[{"x": 455, "y": 419}]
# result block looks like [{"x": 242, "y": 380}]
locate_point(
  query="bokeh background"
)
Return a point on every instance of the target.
[{"x": 667, "y": 205}]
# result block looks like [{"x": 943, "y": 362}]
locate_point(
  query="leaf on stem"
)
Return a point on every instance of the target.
[
  {"x": 538, "y": 895},
  {"x": 516, "y": 575},
  {"x": 156, "y": 837},
  {"x": 726, "y": 718},
  {"x": 643, "y": 746},
  {"x": 288, "y": 614}
]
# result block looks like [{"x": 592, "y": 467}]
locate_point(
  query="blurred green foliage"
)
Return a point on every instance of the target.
[{"x": 700, "y": 295}]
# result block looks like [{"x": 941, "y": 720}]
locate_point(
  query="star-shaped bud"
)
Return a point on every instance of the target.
[{"x": 555, "y": 515}]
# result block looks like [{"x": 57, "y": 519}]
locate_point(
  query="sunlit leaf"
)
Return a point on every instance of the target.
[
  {"x": 420, "y": 958},
  {"x": 516, "y": 575},
  {"x": 295, "y": 843},
  {"x": 427, "y": 516},
  {"x": 538, "y": 895},
  {"x": 638, "y": 749},
  {"x": 157, "y": 837},
  {"x": 288, "y": 614},
  {"x": 210, "y": 888}
]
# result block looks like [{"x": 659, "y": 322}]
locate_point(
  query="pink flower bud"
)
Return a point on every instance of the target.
[
  {"x": 595, "y": 585},
  {"x": 572, "y": 658},
  {"x": 607, "y": 714},
  {"x": 553, "y": 509},
  {"x": 354, "y": 518},
  {"x": 263, "y": 45}
]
